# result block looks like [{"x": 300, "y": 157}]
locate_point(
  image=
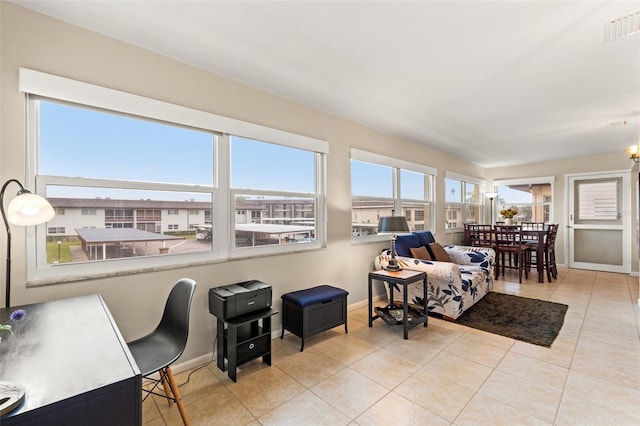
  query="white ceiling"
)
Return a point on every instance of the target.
[{"x": 498, "y": 83}]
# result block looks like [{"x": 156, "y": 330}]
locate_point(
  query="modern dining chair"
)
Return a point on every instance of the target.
[{"x": 156, "y": 351}]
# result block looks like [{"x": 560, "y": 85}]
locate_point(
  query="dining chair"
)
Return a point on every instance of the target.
[
  {"x": 156, "y": 351},
  {"x": 480, "y": 235},
  {"x": 509, "y": 241},
  {"x": 533, "y": 226},
  {"x": 467, "y": 234},
  {"x": 550, "y": 252},
  {"x": 506, "y": 227},
  {"x": 532, "y": 239}
]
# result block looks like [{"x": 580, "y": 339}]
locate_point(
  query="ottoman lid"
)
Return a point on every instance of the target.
[{"x": 314, "y": 295}]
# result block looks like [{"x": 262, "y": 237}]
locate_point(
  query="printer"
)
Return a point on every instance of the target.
[{"x": 233, "y": 300}]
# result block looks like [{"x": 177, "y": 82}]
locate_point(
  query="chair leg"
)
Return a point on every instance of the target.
[
  {"x": 519, "y": 255},
  {"x": 176, "y": 394},
  {"x": 165, "y": 384}
]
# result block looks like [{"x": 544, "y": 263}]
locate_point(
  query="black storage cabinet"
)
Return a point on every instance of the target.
[{"x": 314, "y": 310}]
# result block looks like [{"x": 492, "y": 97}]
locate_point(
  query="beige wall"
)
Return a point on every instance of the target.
[
  {"x": 559, "y": 170},
  {"x": 43, "y": 44},
  {"x": 34, "y": 41}
]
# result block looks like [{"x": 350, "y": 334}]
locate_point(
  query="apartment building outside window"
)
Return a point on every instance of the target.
[
  {"x": 463, "y": 201},
  {"x": 531, "y": 196},
  {"x": 124, "y": 162},
  {"x": 382, "y": 186},
  {"x": 288, "y": 203}
]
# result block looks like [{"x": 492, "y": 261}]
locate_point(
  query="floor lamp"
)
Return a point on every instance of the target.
[
  {"x": 491, "y": 196},
  {"x": 25, "y": 209},
  {"x": 393, "y": 225}
]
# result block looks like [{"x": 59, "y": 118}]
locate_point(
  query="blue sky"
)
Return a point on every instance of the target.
[
  {"x": 80, "y": 142},
  {"x": 86, "y": 143}
]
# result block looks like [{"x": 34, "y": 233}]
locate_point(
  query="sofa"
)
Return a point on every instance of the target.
[{"x": 457, "y": 276}]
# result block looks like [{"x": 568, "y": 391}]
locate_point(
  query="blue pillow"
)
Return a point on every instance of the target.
[
  {"x": 405, "y": 242},
  {"x": 425, "y": 237}
]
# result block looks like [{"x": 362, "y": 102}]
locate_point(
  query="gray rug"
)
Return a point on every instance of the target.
[{"x": 530, "y": 320}]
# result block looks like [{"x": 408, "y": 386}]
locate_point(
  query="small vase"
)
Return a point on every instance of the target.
[{"x": 508, "y": 221}]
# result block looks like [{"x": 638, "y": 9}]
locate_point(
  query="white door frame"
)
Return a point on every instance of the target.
[{"x": 626, "y": 219}]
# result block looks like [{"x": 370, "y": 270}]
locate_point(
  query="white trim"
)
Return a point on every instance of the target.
[
  {"x": 370, "y": 157},
  {"x": 463, "y": 178},
  {"x": 524, "y": 181},
  {"x": 58, "y": 89},
  {"x": 625, "y": 227},
  {"x": 65, "y": 89}
]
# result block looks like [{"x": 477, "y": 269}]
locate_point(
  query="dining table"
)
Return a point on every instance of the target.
[{"x": 537, "y": 237}]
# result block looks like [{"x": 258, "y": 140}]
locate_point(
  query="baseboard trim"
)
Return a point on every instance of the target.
[{"x": 275, "y": 334}]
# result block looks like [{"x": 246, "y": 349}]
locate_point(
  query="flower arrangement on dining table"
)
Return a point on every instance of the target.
[{"x": 509, "y": 213}]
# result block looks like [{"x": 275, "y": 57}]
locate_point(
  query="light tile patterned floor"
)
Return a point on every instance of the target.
[{"x": 446, "y": 374}]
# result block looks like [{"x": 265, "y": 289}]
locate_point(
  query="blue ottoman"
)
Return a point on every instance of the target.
[{"x": 314, "y": 310}]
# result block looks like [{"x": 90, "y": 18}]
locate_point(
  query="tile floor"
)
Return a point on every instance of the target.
[{"x": 445, "y": 374}]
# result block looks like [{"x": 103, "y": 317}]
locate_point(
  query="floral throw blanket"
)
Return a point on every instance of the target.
[{"x": 453, "y": 287}]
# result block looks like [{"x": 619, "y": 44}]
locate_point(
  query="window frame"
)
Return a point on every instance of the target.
[
  {"x": 527, "y": 181},
  {"x": 38, "y": 86},
  {"x": 464, "y": 180},
  {"x": 397, "y": 165}
]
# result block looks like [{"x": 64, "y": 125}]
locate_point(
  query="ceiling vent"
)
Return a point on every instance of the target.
[{"x": 622, "y": 27}]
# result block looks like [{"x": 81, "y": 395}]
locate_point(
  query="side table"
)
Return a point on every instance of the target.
[{"x": 403, "y": 277}]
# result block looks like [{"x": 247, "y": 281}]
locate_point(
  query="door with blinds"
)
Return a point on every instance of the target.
[{"x": 599, "y": 222}]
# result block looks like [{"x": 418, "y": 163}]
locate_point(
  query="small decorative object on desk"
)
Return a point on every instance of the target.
[
  {"x": 16, "y": 315},
  {"x": 11, "y": 394}
]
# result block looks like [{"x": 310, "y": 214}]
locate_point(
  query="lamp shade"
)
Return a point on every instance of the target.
[
  {"x": 393, "y": 225},
  {"x": 29, "y": 209},
  {"x": 491, "y": 194}
]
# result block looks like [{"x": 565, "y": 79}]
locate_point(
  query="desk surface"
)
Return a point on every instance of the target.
[{"x": 62, "y": 350}]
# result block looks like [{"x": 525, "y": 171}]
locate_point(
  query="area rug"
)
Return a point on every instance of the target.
[{"x": 521, "y": 318}]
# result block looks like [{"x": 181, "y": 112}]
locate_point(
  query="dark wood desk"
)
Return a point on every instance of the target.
[{"x": 74, "y": 364}]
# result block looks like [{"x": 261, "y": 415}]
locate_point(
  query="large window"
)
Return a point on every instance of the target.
[
  {"x": 281, "y": 195},
  {"x": 384, "y": 186},
  {"x": 126, "y": 168},
  {"x": 531, "y": 196},
  {"x": 463, "y": 202},
  {"x": 156, "y": 183}
]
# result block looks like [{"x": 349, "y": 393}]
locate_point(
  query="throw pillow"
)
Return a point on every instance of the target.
[
  {"x": 425, "y": 237},
  {"x": 439, "y": 253},
  {"x": 404, "y": 243},
  {"x": 420, "y": 253}
]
